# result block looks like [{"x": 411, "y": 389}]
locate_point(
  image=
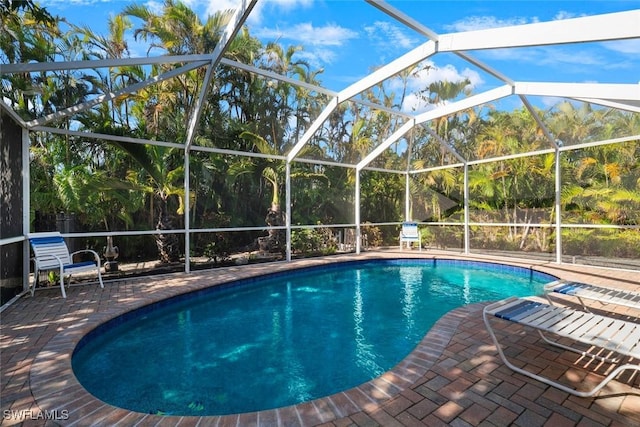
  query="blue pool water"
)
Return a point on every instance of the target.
[{"x": 282, "y": 339}]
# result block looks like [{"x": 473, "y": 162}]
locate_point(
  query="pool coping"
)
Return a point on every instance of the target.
[{"x": 56, "y": 390}]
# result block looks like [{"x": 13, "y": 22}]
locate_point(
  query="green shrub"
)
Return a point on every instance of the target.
[{"x": 313, "y": 240}]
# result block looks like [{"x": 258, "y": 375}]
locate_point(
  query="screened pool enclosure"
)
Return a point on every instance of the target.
[{"x": 223, "y": 150}]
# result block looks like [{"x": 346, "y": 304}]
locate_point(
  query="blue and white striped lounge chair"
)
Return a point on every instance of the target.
[
  {"x": 584, "y": 291},
  {"x": 620, "y": 338},
  {"x": 51, "y": 253}
]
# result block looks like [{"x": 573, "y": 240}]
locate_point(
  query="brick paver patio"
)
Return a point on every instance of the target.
[{"x": 454, "y": 377}]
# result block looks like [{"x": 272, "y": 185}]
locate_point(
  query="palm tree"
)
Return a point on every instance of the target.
[{"x": 164, "y": 184}]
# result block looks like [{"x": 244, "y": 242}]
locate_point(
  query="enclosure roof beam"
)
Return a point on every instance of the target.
[
  {"x": 539, "y": 121},
  {"x": 394, "y": 67},
  {"x": 424, "y": 30},
  {"x": 442, "y": 111},
  {"x": 12, "y": 113},
  {"x": 324, "y": 115},
  {"x": 113, "y": 95},
  {"x": 309, "y": 86},
  {"x": 512, "y": 156},
  {"x": 606, "y": 91},
  {"x": 485, "y": 68},
  {"x": 130, "y": 140},
  {"x": 406, "y": 127},
  {"x": 109, "y": 96},
  {"x": 276, "y": 76},
  {"x": 630, "y": 106},
  {"x": 631, "y": 138},
  {"x": 611, "y": 26},
  {"x": 228, "y": 152},
  {"x": 436, "y": 168},
  {"x": 464, "y": 104},
  {"x": 38, "y": 67},
  {"x": 444, "y": 144},
  {"x": 235, "y": 23},
  {"x": 381, "y": 108},
  {"x": 410, "y": 58},
  {"x": 403, "y": 18},
  {"x": 115, "y": 138}
]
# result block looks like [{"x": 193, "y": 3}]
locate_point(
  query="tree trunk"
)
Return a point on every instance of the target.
[
  {"x": 275, "y": 218},
  {"x": 168, "y": 245}
]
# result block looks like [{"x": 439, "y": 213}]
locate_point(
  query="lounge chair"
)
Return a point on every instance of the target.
[
  {"x": 52, "y": 254},
  {"x": 410, "y": 233},
  {"x": 583, "y": 291},
  {"x": 618, "y": 337}
]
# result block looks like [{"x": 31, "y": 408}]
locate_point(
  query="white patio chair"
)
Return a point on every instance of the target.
[
  {"x": 410, "y": 233},
  {"x": 52, "y": 254}
]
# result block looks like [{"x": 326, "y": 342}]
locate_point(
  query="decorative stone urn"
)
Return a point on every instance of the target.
[{"x": 111, "y": 253}]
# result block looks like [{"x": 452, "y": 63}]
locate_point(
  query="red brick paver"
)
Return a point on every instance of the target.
[{"x": 454, "y": 376}]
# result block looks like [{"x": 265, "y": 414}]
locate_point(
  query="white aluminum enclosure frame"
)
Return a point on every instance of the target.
[{"x": 614, "y": 26}]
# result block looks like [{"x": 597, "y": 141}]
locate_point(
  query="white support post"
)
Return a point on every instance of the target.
[
  {"x": 558, "y": 185},
  {"x": 467, "y": 239},
  {"x": 407, "y": 198},
  {"x": 287, "y": 211},
  {"x": 357, "y": 211},
  {"x": 26, "y": 208},
  {"x": 187, "y": 218}
]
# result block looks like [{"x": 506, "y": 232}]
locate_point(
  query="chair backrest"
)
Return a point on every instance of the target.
[
  {"x": 47, "y": 246},
  {"x": 409, "y": 230}
]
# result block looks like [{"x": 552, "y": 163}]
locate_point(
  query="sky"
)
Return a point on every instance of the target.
[{"x": 349, "y": 38}]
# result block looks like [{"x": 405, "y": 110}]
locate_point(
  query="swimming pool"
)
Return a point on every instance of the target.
[{"x": 281, "y": 339}]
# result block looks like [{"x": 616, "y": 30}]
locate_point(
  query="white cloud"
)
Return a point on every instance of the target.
[
  {"x": 414, "y": 104},
  {"x": 318, "y": 57},
  {"x": 624, "y": 46},
  {"x": 214, "y": 6},
  {"x": 320, "y": 43},
  {"x": 156, "y": 7},
  {"x": 256, "y": 15},
  {"x": 389, "y": 36},
  {"x": 473, "y": 23},
  {"x": 557, "y": 57},
  {"x": 566, "y": 15},
  {"x": 430, "y": 73},
  {"x": 309, "y": 35}
]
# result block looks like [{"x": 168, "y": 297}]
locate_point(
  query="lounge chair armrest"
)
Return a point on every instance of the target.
[
  {"x": 491, "y": 308},
  {"x": 549, "y": 286},
  {"x": 91, "y": 251}
]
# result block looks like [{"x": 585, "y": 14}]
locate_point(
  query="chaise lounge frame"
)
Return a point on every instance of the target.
[{"x": 620, "y": 338}]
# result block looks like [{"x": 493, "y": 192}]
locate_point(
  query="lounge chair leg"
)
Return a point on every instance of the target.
[
  {"x": 100, "y": 278},
  {"x": 64, "y": 294},
  {"x": 36, "y": 275}
]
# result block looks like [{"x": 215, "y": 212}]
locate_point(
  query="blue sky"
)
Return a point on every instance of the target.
[{"x": 347, "y": 38}]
